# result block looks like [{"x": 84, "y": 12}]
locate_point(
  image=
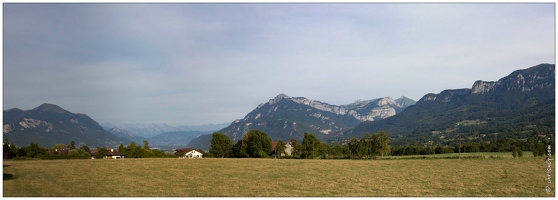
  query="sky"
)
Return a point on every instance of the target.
[{"x": 199, "y": 63}]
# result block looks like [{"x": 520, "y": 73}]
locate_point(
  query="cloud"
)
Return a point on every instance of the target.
[{"x": 213, "y": 63}]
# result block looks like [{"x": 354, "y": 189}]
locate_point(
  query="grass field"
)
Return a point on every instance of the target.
[
  {"x": 526, "y": 154},
  {"x": 212, "y": 177}
]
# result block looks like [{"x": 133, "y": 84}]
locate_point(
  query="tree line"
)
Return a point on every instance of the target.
[
  {"x": 58, "y": 151},
  {"x": 257, "y": 144},
  {"x": 11, "y": 151}
]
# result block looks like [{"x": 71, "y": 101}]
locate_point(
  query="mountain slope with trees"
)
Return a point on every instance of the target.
[
  {"x": 284, "y": 118},
  {"x": 525, "y": 98},
  {"x": 49, "y": 124}
]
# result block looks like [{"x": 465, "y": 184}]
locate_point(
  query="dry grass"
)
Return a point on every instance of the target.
[{"x": 277, "y": 178}]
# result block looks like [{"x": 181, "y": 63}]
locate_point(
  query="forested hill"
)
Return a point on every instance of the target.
[
  {"x": 521, "y": 103},
  {"x": 285, "y": 118},
  {"x": 50, "y": 124}
]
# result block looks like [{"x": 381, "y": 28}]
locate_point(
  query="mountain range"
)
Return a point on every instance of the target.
[
  {"x": 161, "y": 135},
  {"x": 520, "y": 105},
  {"x": 284, "y": 118},
  {"x": 522, "y": 102},
  {"x": 150, "y": 130},
  {"x": 49, "y": 124}
]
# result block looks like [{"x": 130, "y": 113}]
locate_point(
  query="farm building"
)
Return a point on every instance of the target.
[
  {"x": 288, "y": 148},
  {"x": 190, "y": 153},
  {"x": 112, "y": 154}
]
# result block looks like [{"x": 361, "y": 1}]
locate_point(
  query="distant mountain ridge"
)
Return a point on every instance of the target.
[
  {"x": 49, "y": 124},
  {"x": 151, "y": 130},
  {"x": 284, "y": 117},
  {"x": 520, "y": 104},
  {"x": 490, "y": 103},
  {"x": 177, "y": 138},
  {"x": 124, "y": 134}
]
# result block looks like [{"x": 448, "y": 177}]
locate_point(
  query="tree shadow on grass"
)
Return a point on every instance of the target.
[{"x": 8, "y": 176}]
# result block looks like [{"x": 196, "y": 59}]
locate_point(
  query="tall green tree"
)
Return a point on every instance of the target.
[
  {"x": 295, "y": 151},
  {"x": 366, "y": 145},
  {"x": 258, "y": 144},
  {"x": 381, "y": 143},
  {"x": 8, "y": 153},
  {"x": 239, "y": 149},
  {"x": 34, "y": 150},
  {"x": 83, "y": 153},
  {"x": 122, "y": 149},
  {"x": 72, "y": 145},
  {"x": 134, "y": 151},
  {"x": 73, "y": 153},
  {"x": 146, "y": 145},
  {"x": 280, "y": 148},
  {"x": 86, "y": 149},
  {"x": 101, "y": 152},
  {"x": 58, "y": 146},
  {"x": 221, "y": 146},
  {"x": 353, "y": 147},
  {"x": 363, "y": 149},
  {"x": 311, "y": 146},
  {"x": 21, "y": 152}
]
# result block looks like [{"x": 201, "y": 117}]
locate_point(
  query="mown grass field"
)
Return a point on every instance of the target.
[
  {"x": 485, "y": 154},
  {"x": 212, "y": 177}
]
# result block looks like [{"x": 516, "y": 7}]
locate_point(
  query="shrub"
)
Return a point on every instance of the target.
[{"x": 262, "y": 154}]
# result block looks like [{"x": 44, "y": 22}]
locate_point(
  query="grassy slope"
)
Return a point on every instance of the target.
[{"x": 276, "y": 177}]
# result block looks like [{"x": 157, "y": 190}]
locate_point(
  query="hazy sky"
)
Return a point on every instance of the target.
[{"x": 196, "y": 64}]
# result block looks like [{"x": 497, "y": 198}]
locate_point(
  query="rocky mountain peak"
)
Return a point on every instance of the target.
[
  {"x": 481, "y": 87},
  {"x": 46, "y": 107},
  {"x": 278, "y": 98},
  {"x": 49, "y": 124},
  {"x": 285, "y": 116},
  {"x": 525, "y": 80},
  {"x": 387, "y": 101}
]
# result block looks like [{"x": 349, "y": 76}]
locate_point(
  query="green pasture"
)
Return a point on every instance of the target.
[{"x": 229, "y": 177}]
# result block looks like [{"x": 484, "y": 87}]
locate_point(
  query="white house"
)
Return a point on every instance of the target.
[
  {"x": 112, "y": 154},
  {"x": 288, "y": 148},
  {"x": 190, "y": 153}
]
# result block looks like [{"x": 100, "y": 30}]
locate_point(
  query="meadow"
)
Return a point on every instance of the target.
[{"x": 228, "y": 177}]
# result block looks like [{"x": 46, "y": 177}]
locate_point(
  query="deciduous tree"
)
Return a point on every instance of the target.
[
  {"x": 86, "y": 149},
  {"x": 258, "y": 144},
  {"x": 311, "y": 146},
  {"x": 72, "y": 145},
  {"x": 381, "y": 143},
  {"x": 221, "y": 145},
  {"x": 134, "y": 151},
  {"x": 239, "y": 149},
  {"x": 280, "y": 148},
  {"x": 122, "y": 149},
  {"x": 73, "y": 153},
  {"x": 295, "y": 151},
  {"x": 34, "y": 150},
  {"x": 353, "y": 146},
  {"x": 8, "y": 153},
  {"x": 101, "y": 152}
]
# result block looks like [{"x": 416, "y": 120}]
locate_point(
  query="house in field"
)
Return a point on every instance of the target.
[
  {"x": 112, "y": 154},
  {"x": 59, "y": 151},
  {"x": 189, "y": 153},
  {"x": 288, "y": 149}
]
